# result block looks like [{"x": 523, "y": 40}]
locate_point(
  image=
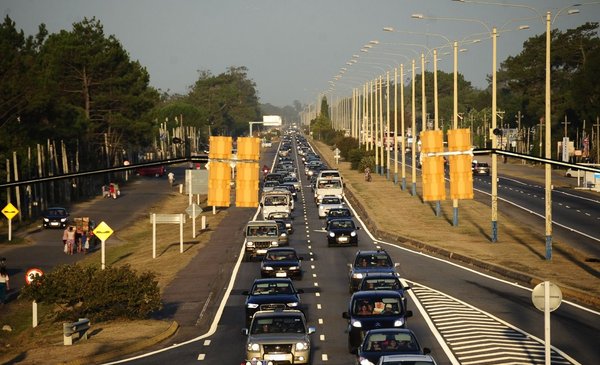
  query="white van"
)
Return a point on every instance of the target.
[
  {"x": 328, "y": 186},
  {"x": 276, "y": 204}
]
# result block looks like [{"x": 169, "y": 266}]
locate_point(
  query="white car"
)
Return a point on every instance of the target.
[
  {"x": 329, "y": 202},
  {"x": 571, "y": 172}
]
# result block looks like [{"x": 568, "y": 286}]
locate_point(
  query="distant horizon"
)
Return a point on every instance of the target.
[{"x": 293, "y": 49}]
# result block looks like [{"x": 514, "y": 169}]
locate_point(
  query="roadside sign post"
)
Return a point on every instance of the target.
[
  {"x": 103, "y": 231},
  {"x": 546, "y": 297},
  {"x": 30, "y": 275},
  {"x": 9, "y": 212},
  {"x": 193, "y": 212},
  {"x": 167, "y": 218}
]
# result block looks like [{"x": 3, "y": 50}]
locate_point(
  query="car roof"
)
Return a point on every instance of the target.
[
  {"x": 359, "y": 295},
  {"x": 407, "y": 357},
  {"x": 370, "y": 252},
  {"x": 281, "y": 249},
  {"x": 272, "y": 280},
  {"x": 284, "y": 312}
]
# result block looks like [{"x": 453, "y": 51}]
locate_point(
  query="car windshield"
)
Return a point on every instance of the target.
[
  {"x": 341, "y": 224},
  {"x": 280, "y": 255},
  {"x": 376, "y": 306},
  {"x": 381, "y": 284},
  {"x": 339, "y": 213},
  {"x": 272, "y": 288},
  {"x": 397, "y": 342},
  {"x": 282, "y": 324},
  {"x": 276, "y": 200},
  {"x": 331, "y": 200},
  {"x": 373, "y": 260},
  {"x": 329, "y": 184},
  {"x": 57, "y": 212},
  {"x": 262, "y": 231}
]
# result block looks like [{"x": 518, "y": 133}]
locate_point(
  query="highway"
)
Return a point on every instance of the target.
[{"x": 464, "y": 317}]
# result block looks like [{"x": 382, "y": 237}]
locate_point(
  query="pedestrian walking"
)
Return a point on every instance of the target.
[
  {"x": 70, "y": 240},
  {"x": 85, "y": 242},
  {"x": 4, "y": 284},
  {"x": 112, "y": 190},
  {"x": 105, "y": 192},
  {"x": 64, "y": 239}
]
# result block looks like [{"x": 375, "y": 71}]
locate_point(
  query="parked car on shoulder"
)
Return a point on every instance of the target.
[{"x": 55, "y": 217}]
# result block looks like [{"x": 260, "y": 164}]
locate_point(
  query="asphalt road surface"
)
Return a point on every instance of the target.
[{"x": 464, "y": 317}]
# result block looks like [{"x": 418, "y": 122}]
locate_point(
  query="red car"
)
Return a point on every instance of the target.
[{"x": 151, "y": 171}]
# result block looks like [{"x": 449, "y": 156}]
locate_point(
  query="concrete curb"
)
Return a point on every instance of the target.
[
  {"x": 144, "y": 344},
  {"x": 522, "y": 278}
]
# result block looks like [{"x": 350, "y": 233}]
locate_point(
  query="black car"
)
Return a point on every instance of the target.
[
  {"x": 373, "y": 309},
  {"x": 389, "y": 341},
  {"x": 334, "y": 213},
  {"x": 56, "y": 217},
  {"x": 342, "y": 231},
  {"x": 287, "y": 222},
  {"x": 271, "y": 294},
  {"x": 369, "y": 261},
  {"x": 281, "y": 263},
  {"x": 384, "y": 281}
]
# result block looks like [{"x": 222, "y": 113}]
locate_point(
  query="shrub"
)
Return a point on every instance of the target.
[
  {"x": 86, "y": 291},
  {"x": 367, "y": 161},
  {"x": 346, "y": 144}
]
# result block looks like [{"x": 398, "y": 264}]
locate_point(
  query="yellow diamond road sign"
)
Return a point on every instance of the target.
[
  {"x": 10, "y": 211},
  {"x": 103, "y": 231}
]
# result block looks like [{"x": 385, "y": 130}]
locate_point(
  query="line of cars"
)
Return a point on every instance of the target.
[
  {"x": 377, "y": 313},
  {"x": 276, "y": 327}
]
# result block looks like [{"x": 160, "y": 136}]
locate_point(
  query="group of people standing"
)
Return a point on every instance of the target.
[{"x": 75, "y": 242}]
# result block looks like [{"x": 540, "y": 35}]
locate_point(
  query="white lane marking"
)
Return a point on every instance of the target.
[
  {"x": 316, "y": 284},
  {"x": 201, "y": 357},
  {"x": 317, "y": 294},
  {"x": 324, "y": 357},
  {"x": 322, "y": 337},
  {"x": 312, "y": 267},
  {"x": 207, "y": 343},
  {"x": 319, "y": 306},
  {"x": 314, "y": 275},
  {"x": 320, "y": 320}
]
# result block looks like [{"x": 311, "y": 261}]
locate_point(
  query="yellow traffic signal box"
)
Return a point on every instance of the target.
[
  {"x": 461, "y": 175},
  {"x": 432, "y": 169}
]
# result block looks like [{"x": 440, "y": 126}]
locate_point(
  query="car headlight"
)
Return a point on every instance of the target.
[
  {"x": 274, "y": 243},
  {"x": 300, "y": 346},
  {"x": 292, "y": 304},
  {"x": 399, "y": 323},
  {"x": 356, "y": 323},
  {"x": 288, "y": 225},
  {"x": 294, "y": 267},
  {"x": 253, "y": 347},
  {"x": 353, "y": 233},
  {"x": 268, "y": 268},
  {"x": 252, "y": 305},
  {"x": 46, "y": 220},
  {"x": 249, "y": 244},
  {"x": 357, "y": 276},
  {"x": 331, "y": 234},
  {"x": 284, "y": 235}
]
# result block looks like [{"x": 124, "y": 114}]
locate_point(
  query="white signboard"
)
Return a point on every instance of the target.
[
  {"x": 271, "y": 120},
  {"x": 196, "y": 181},
  {"x": 565, "y": 149}
]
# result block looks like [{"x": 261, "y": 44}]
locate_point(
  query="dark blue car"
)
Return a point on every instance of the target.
[
  {"x": 373, "y": 309},
  {"x": 367, "y": 262},
  {"x": 281, "y": 262},
  {"x": 389, "y": 341},
  {"x": 271, "y": 294}
]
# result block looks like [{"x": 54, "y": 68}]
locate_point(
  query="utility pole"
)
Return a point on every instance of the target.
[
  {"x": 597, "y": 125},
  {"x": 565, "y": 123}
]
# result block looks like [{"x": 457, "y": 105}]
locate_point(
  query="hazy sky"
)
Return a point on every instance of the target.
[{"x": 293, "y": 48}]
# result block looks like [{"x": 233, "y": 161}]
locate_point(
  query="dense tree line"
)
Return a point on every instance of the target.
[{"x": 78, "y": 92}]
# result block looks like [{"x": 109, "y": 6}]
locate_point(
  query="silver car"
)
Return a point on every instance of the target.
[
  {"x": 279, "y": 336},
  {"x": 329, "y": 202}
]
